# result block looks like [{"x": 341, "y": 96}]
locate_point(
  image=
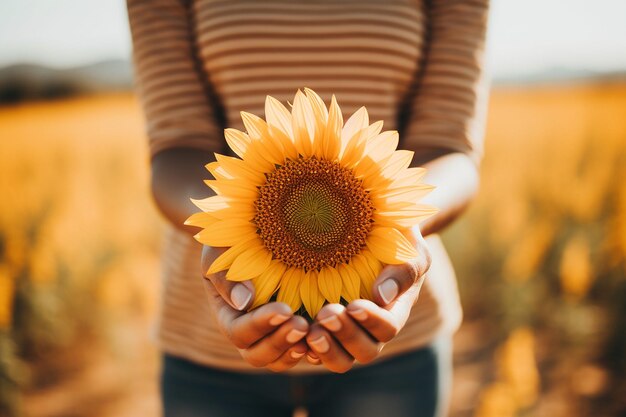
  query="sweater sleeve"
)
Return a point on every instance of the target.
[
  {"x": 175, "y": 94},
  {"x": 448, "y": 106}
]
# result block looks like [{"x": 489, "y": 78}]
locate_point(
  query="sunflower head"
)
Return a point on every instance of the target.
[{"x": 312, "y": 208}]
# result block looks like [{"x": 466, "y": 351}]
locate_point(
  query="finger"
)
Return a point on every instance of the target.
[
  {"x": 382, "y": 324},
  {"x": 395, "y": 280},
  {"x": 290, "y": 358},
  {"x": 312, "y": 358},
  {"x": 268, "y": 349},
  {"x": 246, "y": 329},
  {"x": 238, "y": 295},
  {"x": 330, "y": 353},
  {"x": 352, "y": 337},
  {"x": 223, "y": 311}
]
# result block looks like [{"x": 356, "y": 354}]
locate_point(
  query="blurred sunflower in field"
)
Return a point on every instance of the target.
[{"x": 314, "y": 208}]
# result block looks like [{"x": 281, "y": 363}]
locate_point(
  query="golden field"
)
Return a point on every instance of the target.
[{"x": 541, "y": 259}]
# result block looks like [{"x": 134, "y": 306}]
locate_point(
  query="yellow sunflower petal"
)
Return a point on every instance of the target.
[
  {"x": 278, "y": 116},
  {"x": 320, "y": 114},
  {"x": 266, "y": 284},
  {"x": 279, "y": 126},
  {"x": 331, "y": 142},
  {"x": 289, "y": 291},
  {"x": 350, "y": 282},
  {"x": 233, "y": 189},
  {"x": 201, "y": 219},
  {"x": 238, "y": 169},
  {"x": 242, "y": 145},
  {"x": 409, "y": 194},
  {"x": 261, "y": 141},
  {"x": 379, "y": 151},
  {"x": 390, "y": 246},
  {"x": 289, "y": 148},
  {"x": 405, "y": 217},
  {"x": 312, "y": 298},
  {"x": 373, "y": 268},
  {"x": 225, "y": 260},
  {"x": 329, "y": 282},
  {"x": 358, "y": 121},
  {"x": 384, "y": 144},
  {"x": 303, "y": 123},
  {"x": 226, "y": 232},
  {"x": 393, "y": 167},
  {"x": 399, "y": 161},
  {"x": 236, "y": 210},
  {"x": 317, "y": 105},
  {"x": 366, "y": 275},
  {"x": 405, "y": 206},
  {"x": 210, "y": 204},
  {"x": 225, "y": 208},
  {"x": 255, "y": 126},
  {"x": 374, "y": 263},
  {"x": 357, "y": 145},
  {"x": 250, "y": 264},
  {"x": 409, "y": 176},
  {"x": 369, "y": 167},
  {"x": 237, "y": 140},
  {"x": 218, "y": 172}
]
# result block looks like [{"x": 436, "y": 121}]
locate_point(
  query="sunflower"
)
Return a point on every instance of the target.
[{"x": 313, "y": 208}]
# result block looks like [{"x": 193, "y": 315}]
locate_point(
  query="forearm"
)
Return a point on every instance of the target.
[
  {"x": 178, "y": 175},
  {"x": 456, "y": 179},
  {"x": 180, "y": 112}
]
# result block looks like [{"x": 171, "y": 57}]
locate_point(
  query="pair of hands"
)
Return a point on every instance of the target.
[{"x": 271, "y": 336}]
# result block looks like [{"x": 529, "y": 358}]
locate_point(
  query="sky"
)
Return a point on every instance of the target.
[{"x": 525, "y": 36}]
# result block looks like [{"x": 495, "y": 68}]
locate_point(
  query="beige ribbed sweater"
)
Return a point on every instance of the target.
[{"x": 417, "y": 65}]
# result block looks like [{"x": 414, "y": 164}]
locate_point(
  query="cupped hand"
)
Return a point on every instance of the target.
[
  {"x": 269, "y": 336},
  {"x": 342, "y": 335}
]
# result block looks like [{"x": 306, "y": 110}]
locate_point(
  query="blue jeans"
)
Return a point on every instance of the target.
[{"x": 415, "y": 384}]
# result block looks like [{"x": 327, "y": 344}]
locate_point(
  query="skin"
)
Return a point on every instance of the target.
[{"x": 271, "y": 336}]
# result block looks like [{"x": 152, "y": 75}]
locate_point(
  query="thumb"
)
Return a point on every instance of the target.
[
  {"x": 239, "y": 295},
  {"x": 394, "y": 280}
]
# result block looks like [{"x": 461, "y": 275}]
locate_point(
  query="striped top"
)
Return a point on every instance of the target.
[{"x": 415, "y": 64}]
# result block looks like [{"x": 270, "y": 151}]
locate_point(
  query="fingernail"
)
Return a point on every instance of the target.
[
  {"x": 240, "y": 295},
  {"x": 278, "y": 319},
  {"x": 320, "y": 344},
  {"x": 332, "y": 323},
  {"x": 359, "y": 314},
  {"x": 294, "y": 335},
  {"x": 388, "y": 290},
  {"x": 296, "y": 355},
  {"x": 313, "y": 359}
]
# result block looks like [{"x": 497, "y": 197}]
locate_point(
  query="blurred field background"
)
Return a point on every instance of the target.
[
  {"x": 540, "y": 256},
  {"x": 541, "y": 259}
]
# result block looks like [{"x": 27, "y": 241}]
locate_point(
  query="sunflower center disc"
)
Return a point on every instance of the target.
[{"x": 312, "y": 213}]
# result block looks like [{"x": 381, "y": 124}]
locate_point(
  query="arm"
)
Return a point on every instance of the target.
[
  {"x": 456, "y": 178},
  {"x": 445, "y": 131},
  {"x": 176, "y": 176},
  {"x": 182, "y": 118}
]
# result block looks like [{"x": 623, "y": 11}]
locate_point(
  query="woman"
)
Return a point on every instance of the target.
[{"x": 416, "y": 65}]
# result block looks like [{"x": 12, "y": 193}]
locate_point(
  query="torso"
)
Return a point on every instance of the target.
[{"x": 367, "y": 53}]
